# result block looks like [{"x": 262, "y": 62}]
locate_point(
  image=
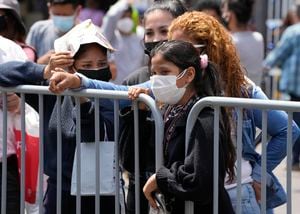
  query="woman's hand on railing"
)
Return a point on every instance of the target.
[
  {"x": 134, "y": 92},
  {"x": 60, "y": 81}
]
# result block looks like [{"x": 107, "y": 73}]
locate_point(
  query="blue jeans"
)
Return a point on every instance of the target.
[{"x": 249, "y": 203}]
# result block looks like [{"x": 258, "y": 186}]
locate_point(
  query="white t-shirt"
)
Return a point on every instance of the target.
[
  {"x": 250, "y": 47},
  {"x": 245, "y": 172},
  {"x": 9, "y": 51},
  {"x": 128, "y": 57}
]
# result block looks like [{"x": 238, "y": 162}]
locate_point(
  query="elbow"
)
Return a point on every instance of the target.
[{"x": 295, "y": 132}]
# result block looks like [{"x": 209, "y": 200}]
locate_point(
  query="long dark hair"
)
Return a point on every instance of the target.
[{"x": 207, "y": 82}]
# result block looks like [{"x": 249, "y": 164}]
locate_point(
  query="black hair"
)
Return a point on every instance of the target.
[
  {"x": 207, "y": 82},
  {"x": 83, "y": 48},
  {"x": 184, "y": 55},
  {"x": 174, "y": 7},
  {"x": 242, "y": 9},
  {"x": 210, "y": 5}
]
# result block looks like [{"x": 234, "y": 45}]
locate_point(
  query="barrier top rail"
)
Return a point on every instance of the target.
[
  {"x": 103, "y": 94},
  {"x": 240, "y": 103}
]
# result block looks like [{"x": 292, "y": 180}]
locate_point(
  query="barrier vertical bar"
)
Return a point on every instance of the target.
[
  {"x": 264, "y": 162},
  {"x": 78, "y": 157},
  {"x": 59, "y": 156},
  {"x": 289, "y": 164},
  {"x": 188, "y": 205},
  {"x": 239, "y": 145},
  {"x": 216, "y": 160},
  {"x": 136, "y": 158},
  {"x": 23, "y": 155},
  {"x": 41, "y": 151},
  {"x": 4, "y": 154},
  {"x": 116, "y": 121},
  {"x": 97, "y": 142}
]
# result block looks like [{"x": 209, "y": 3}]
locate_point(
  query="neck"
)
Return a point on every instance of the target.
[
  {"x": 189, "y": 93},
  {"x": 238, "y": 28}
]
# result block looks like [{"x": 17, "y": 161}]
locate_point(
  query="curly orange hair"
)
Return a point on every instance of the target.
[{"x": 204, "y": 29}]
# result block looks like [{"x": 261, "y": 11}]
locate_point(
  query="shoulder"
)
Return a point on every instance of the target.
[
  {"x": 41, "y": 26},
  {"x": 258, "y": 36},
  {"x": 292, "y": 32},
  {"x": 10, "y": 50},
  {"x": 138, "y": 76},
  {"x": 206, "y": 118},
  {"x": 7, "y": 43}
]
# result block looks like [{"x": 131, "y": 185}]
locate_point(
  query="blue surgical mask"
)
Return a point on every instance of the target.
[{"x": 63, "y": 23}]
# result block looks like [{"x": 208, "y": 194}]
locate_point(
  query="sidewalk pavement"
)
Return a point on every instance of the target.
[{"x": 280, "y": 172}]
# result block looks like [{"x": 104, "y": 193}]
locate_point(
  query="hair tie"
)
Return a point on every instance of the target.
[{"x": 203, "y": 61}]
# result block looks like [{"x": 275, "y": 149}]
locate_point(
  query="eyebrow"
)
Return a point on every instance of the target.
[
  {"x": 160, "y": 27},
  {"x": 89, "y": 61}
]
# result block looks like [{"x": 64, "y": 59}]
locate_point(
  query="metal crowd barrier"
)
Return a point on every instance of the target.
[
  {"x": 117, "y": 96},
  {"x": 241, "y": 103}
]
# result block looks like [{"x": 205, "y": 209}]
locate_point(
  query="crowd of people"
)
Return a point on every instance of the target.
[{"x": 180, "y": 56}]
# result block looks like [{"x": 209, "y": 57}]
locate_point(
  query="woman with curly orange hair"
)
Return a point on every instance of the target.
[
  {"x": 207, "y": 34},
  {"x": 200, "y": 29}
]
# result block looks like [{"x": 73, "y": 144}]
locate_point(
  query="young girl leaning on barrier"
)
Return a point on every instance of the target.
[
  {"x": 85, "y": 51},
  {"x": 179, "y": 79},
  {"x": 207, "y": 33}
]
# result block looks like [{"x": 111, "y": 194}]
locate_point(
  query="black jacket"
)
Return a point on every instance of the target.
[{"x": 191, "y": 178}]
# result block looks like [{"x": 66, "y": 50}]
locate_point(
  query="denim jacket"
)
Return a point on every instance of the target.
[{"x": 276, "y": 148}]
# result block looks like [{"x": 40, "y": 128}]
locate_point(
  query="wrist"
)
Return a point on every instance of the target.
[
  {"x": 77, "y": 82},
  {"x": 47, "y": 72}
]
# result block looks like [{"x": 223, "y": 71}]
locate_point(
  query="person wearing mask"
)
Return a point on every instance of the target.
[
  {"x": 63, "y": 16},
  {"x": 249, "y": 44},
  {"x": 119, "y": 28},
  {"x": 13, "y": 28},
  {"x": 177, "y": 66},
  {"x": 157, "y": 19},
  {"x": 9, "y": 51},
  {"x": 85, "y": 51},
  {"x": 218, "y": 45},
  {"x": 286, "y": 56}
]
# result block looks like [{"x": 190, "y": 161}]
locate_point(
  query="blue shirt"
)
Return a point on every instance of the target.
[
  {"x": 276, "y": 149},
  {"x": 41, "y": 36},
  {"x": 287, "y": 56}
]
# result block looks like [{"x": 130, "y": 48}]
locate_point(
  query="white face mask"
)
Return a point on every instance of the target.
[
  {"x": 165, "y": 89},
  {"x": 125, "y": 25}
]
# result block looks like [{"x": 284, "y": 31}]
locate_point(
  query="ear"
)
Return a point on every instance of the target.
[{"x": 190, "y": 74}]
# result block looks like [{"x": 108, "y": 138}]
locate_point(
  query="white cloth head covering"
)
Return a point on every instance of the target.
[{"x": 83, "y": 33}]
